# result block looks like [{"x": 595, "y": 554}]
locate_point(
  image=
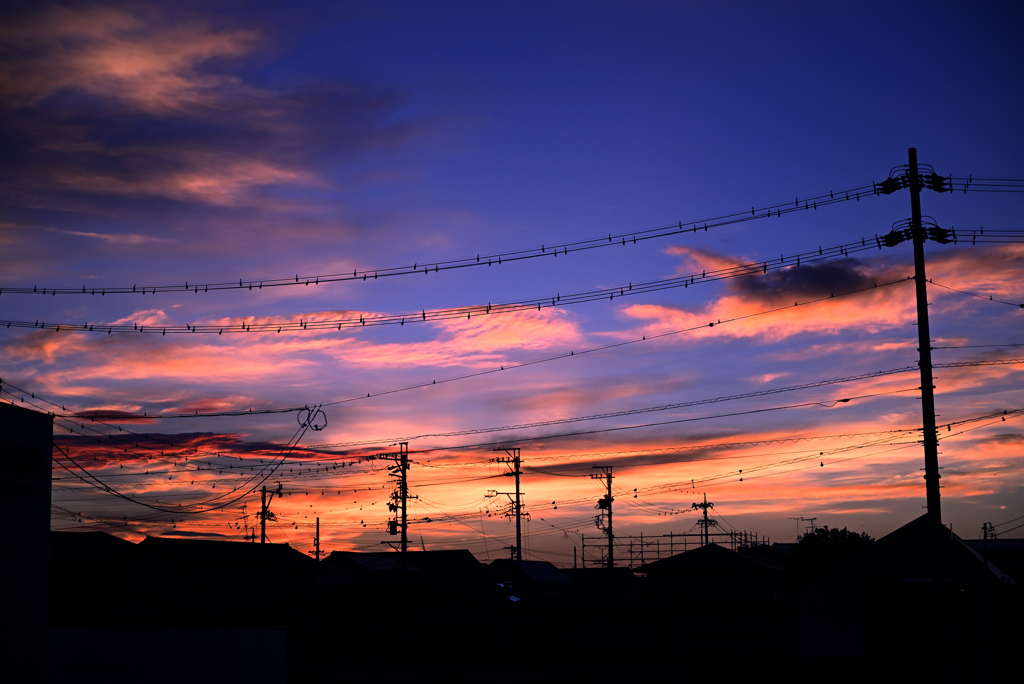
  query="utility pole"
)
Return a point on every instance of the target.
[
  {"x": 605, "y": 504},
  {"x": 986, "y": 675},
  {"x": 265, "y": 512},
  {"x": 316, "y": 540},
  {"x": 930, "y": 436},
  {"x": 400, "y": 495},
  {"x": 705, "y": 523},
  {"x": 918, "y": 232},
  {"x": 514, "y": 462}
]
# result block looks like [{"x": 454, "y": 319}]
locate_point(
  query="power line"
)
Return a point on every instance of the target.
[
  {"x": 624, "y": 413},
  {"x": 574, "y": 353},
  {"x": 744, "y": 472},
  {"x": 435, "y": 315},
  {"x": 1008, "y": 521},
  {"x": 496, "y": 258},
  {"x": 724, "y": 445},
  {"x": 975, "y": 294},
  {"x": 265, "y": 473},
  {"x": 678, "y": 458},
  {"x": 979, "y": 346},
  {"x": 636, "y": 411},
  {"x": 970, "y": 184},
  {"x": 826, "y": 404},
  {"x": 709, "y": 480},
  {"x": 613, "y": 345}
]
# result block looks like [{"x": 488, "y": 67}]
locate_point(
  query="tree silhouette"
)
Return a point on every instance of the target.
[{"x": 827, "y": 546}]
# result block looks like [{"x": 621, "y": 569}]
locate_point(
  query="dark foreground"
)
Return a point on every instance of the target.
[{"x": 917, "y": 605}]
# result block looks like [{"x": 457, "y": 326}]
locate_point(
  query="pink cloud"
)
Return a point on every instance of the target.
[
  {"x": 217, "y": 180},
  {"x": 116, "y": 54},
  {"x": 477, "y": 343},
  {"x": 695, "y": 259}
]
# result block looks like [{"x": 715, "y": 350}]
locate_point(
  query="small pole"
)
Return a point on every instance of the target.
[
  {"x": 985, "y": 673},
  {"x": 403, "y": 485},
  {"x": 519, "y": 510},
  {"x": 263, "y": 515}
]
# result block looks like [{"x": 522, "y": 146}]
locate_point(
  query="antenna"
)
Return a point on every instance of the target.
[{"x": 810, "y": 527}]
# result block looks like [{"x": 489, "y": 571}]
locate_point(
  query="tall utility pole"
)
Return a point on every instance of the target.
[
  {"x": 705, "y": 523},
  {"x": 918, "y": 232},
  {"x": 514, "y": 462},
  {"x": 400, "y": 496},
  {"x": 265, "y": 513},
  {"x": 316, "y": 540},
  {"x": 605, "y": 504},
  {"x": 930, "y": 436}
]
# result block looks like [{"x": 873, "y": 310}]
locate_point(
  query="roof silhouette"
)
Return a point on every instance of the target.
[
  {"x": 174, "y": 551},
  {"x": 710, "y": 557},
  {"x": 540, "y": 572},
  {"x": 434, "y": 562},
  {"x": 87, "y": 548},
  {"x": 925, "y": 548}
]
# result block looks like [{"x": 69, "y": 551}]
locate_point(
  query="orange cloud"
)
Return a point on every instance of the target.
[{"x": 869, "y": 312}]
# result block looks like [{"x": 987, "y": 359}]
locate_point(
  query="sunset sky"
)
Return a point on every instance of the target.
[{"x": 285, "y": 144}]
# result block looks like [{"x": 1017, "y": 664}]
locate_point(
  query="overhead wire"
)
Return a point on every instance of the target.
[
  {"x": 979, "y": 346},
  {"x": 826, "y": 404},
  {"x": 663, "y": 407},
  {"x": 204, "y": 506},
  {"x": 558, "y": 300},
  {"x": 1008, "y": 521},
  {"x": 989, "y": 298},
  {"x": 629, "y": 237},
  {"x": 571, "y": 353},
  {"x": 616, "y": 345},
  {"x": 969, "y": 183}
]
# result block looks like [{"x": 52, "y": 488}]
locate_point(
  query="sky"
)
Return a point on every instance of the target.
[{"x": 178, "y": 145}]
